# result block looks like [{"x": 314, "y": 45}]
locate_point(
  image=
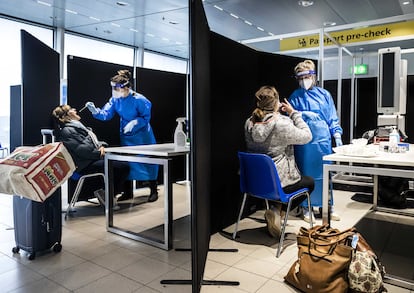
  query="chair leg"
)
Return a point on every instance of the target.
[
  {"x": 310, "y": 209},
  {"x": 282, "y": 233},
  {"x": 74, "y": 197},
  {"x": 240, "y": 214},
  {"x": 267, "y": 204}
]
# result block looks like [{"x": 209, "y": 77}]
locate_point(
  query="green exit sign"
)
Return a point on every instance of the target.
[{"x": 360, "y": 69}]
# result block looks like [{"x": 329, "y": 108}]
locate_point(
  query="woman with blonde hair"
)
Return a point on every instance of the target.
[
  {"x": 134, "y": 111},
  {"x": 319, "y": 112}
]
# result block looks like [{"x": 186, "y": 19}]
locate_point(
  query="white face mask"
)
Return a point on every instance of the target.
[
  {"x": 117, "y": 94},
  {"x": 306, "y": 83}
]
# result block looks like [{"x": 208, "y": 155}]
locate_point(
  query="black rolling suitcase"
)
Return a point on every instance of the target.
[{"x": 37, "y": 225}]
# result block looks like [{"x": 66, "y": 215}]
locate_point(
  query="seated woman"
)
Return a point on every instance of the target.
[
  {"x": 86, "y": 150},
  {"x": 273, "y": 133}
]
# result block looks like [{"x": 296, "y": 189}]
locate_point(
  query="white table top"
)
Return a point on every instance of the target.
[
  {"x": 159, "y": 150},
  {"x": 380, "y": 157}
]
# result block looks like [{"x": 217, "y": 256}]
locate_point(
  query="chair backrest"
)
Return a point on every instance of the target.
[
  {"x": 259, "y": 177},
  {"x": 75, "y": 176}
]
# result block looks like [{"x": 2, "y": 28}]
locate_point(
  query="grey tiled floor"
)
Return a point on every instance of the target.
[{"x": 94, "y": 260}]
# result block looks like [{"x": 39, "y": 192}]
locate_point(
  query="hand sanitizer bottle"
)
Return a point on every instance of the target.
[
  {"x": 394, "y": 139},
  {"x": 180, "y": 138}
]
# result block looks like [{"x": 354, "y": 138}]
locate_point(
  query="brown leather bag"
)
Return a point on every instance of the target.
[{"x": 324, "y": 256}]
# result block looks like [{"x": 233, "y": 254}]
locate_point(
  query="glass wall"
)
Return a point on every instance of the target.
[
  {"x": 10, "y": 65},
  {"x": 166, "y": 63},
  {"x": 102, "y": 51}
]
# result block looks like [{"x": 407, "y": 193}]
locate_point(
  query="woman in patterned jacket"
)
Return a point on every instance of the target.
[{"x": 274, "y": 133}]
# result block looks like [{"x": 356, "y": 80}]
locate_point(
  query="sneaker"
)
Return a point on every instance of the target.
[
  {"x": 125, "y": 197},
  {"x": 115, "y": 207},
  {"x": 153, "y": 197},
  {"x": 334, "y": 216},
  {"x": 307, "y": 216},
  {"x": 272, "y": 218}
]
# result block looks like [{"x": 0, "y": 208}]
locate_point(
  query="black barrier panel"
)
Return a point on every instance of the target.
[
  {"x": 410, "y": 109},
  {"x": 16, "y": 121},
  {"x": 239, "y": 72},
  {"x": 40, "y": 90},
  {"x": 201, "y": 129},
  {"x": 167, "y": 93},
  {"x": 88, "y": 80},
  {"x": 233, "y": 84}
]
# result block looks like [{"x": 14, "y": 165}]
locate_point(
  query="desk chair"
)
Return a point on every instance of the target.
[
  {"x": 259, "y": 178},
  {"x": 81, "y": 179},
  {"x": 77, "y": 177}
]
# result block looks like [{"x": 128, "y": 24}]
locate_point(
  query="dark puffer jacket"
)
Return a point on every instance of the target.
[{"x": 76, "y": 138}]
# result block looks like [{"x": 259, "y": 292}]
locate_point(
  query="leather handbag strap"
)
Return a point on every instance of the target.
[{"x": 325, "y": 243}]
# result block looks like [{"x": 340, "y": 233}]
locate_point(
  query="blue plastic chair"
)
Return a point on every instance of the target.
[{"x": 259, "y": 178}]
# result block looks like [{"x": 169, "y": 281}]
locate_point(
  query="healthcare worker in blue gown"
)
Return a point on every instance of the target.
[
  {"x": 319, "y": 112},
  {"x": 134, "y": 111}
]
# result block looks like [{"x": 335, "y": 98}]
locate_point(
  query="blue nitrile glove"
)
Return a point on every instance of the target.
[
  {"x": 338, "y": 139},
  {"x": 130, "y": 125},
  {"x": 91, "y": 107}
]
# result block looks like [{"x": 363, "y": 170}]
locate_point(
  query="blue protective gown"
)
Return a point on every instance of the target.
[
  {"x": 319, "y": 113},
  {"x": 134, "y": 106}
]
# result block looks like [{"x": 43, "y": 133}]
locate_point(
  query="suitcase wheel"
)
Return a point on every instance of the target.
[
  {"x": 57, "y": 247},
  {"x": 15, "y": 249},
  {"x": 31, "y": 256}
]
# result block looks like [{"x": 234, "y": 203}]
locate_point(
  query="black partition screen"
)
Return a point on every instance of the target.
[
  {"x": 200, "y": 141},
  {"x": 40, "y": 91},
  {"x": 88, "y": 80},
  {"x": 237, "y": 73},
  {"x": 167, "y": 93}
]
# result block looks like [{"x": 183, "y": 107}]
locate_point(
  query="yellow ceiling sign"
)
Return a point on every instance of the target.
[{"x": 350, "y": 36}]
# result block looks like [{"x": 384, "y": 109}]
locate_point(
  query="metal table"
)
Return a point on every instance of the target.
[
  {"x": 160, "y": 154},
  {"x": 382, "y": 164}
]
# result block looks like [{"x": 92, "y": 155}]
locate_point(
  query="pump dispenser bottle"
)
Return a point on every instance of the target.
[
  {"x": 394, "y": 139},
  {"x": 180, "y": 138},
  {"x": 394, "y": 136}
]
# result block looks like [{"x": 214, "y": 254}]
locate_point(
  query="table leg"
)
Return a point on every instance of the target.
[
  {"x": 166, "y": 243},
  {"x": 168, "y": 211},
  {"x": 375, "y": 192},
  {"x": 109, "y": 193},
  {"x": 325, "y": 194}
]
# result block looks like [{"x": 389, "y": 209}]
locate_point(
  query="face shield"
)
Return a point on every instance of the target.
[
  {"x": 117, "y": 89},
  {"x": 117, "y": 85}
]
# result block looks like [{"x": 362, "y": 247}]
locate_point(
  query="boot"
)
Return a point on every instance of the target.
[
  {"x": 127, "y": 191},
  {"x": 154, "y": 192}
]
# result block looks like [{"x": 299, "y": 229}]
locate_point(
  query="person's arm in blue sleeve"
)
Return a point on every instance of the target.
[
  {"x": 331, "y": 118},
  {"x": 143, "y": 109},
  {"x": 107, "y": 112},
  {"x": 330, "y": 115},
  {"x": 145, "y": 114}
]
